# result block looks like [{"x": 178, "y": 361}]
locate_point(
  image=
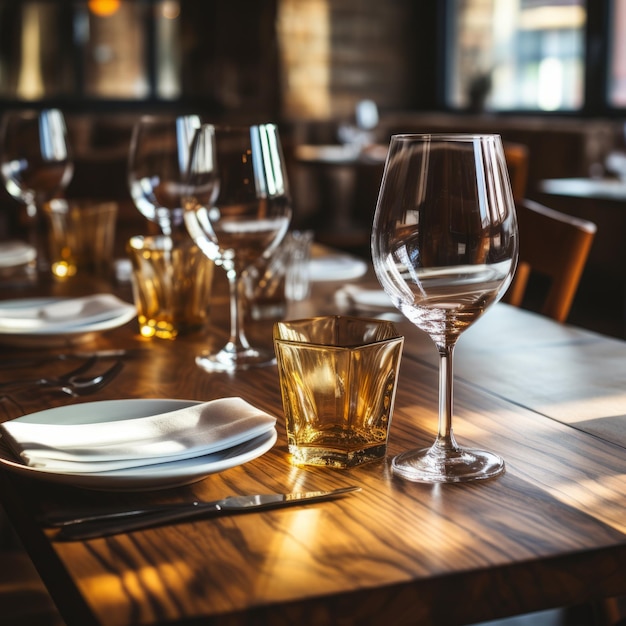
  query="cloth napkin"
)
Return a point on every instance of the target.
[
  {"x": 336, "y": 267},
  {"x": 193, "y": 431},
  {"x": 355, "y": 297}
]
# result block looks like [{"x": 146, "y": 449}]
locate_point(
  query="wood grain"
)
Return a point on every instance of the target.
[{"x": 550, "y": 532}]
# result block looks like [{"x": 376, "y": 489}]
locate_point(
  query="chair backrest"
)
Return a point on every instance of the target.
[
  {"x": 516, "y": 155},
  {"x": 554, "y": 245}
]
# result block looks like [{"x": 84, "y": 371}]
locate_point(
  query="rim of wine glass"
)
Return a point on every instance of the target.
[
  {"x": 204, "y": 121},
  {"x": 241, "y": 127},
  {"x": 447, "y": 136}
]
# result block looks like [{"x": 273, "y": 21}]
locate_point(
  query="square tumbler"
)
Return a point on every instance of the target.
[{"x": 338, "y": 378}]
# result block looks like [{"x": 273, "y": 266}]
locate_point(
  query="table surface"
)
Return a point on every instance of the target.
[
  {"x": 340, "y": 154},
  {"x": 594, "y": 188},
  {"x": 550, "y": 532}
]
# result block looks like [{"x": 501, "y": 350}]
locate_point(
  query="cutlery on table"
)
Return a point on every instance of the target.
[
  {"x": 90, "y": 523},
  {"x": 73, "y": 383},
  {"x": 20, "y": 383},
  {"x": 30, "y": 361}
]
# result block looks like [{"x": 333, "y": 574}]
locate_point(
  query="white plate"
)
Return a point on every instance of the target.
[
  {"x": 56, "y": 334},
  {"x": 16, "y": 253},
  {"x": 153, "y": 477},
  {"x": 336, "y": 267}
]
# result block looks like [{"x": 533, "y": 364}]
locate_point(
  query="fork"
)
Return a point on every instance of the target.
[
  {"x": 46, "y": 381},
  {"x": 75, "y": 386},
  {"x": 84, "y": 385},
  {"x": 71, "y": 383}
]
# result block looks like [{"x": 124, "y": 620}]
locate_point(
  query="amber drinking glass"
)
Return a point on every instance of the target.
[
  {"x": 171, "y": 286},
  {"x": 81, "y": 236},
  {"x": 338, "y": 383}
]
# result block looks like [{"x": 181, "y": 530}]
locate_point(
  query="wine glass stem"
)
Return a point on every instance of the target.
[
  {"x": 32, "y": 220},
  {"x": 37, "y": 234},
  {"x": 445, "y": 437},
  {"x": 31, "y": 210},
  {"x": 238, "y": 341}
]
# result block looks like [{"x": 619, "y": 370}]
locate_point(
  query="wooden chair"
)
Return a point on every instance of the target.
[
  {"x": 556, "y": 246},
  {"x": 516, "y": 155}
]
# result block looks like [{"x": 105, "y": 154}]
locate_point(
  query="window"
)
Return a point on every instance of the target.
[
  {"x": 112, "y": 44},
  {"x": 96, "y": 49},
  {"x": 526, "y": 55},
  {"x": 617, "y": 55}
]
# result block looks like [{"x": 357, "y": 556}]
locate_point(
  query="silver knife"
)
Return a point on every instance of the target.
[{"x": 119, "y": 520}]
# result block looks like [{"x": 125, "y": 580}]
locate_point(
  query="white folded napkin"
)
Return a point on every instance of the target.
[
  {"x": 193, "y": 431},
  {"x": 336, "y": 267},
  {"x": 63, "y": 312},
  {"x": 355, "y": 297}
]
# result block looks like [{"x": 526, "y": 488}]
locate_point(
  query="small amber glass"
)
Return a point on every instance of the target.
[
  {"x": 81, "y": 236},
  {"x": 338, "y": 380},
  {"x": 171, "y": 286}
]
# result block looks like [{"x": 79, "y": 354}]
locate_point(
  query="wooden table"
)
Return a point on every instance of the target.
[
  {"x": 550, "y": 532},
  {"x": 600, "y": 188}
]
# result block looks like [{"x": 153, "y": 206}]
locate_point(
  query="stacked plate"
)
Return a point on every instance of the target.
[
  {"x": 17, "y": 262},
  {"x": 61, "y": 321},
  {"x": 131, "y": 445}
]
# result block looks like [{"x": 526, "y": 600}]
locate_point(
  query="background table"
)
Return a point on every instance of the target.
[{"x": 601, "y": 300}]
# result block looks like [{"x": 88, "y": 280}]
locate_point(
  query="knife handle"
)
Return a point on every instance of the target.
[
  {"x": 69, "y": 517},
  {"x": 104, "y": 528}
]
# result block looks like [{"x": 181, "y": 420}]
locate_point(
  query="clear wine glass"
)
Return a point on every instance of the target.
[
  {"x": 444, "y": 247},
  {"x": 238, "y": 220},
  {"x": 158, "y": 162},
  {"x": 36, "y": 164}
]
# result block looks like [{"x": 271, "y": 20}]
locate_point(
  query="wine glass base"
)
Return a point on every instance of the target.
[
  {"x": 226, "y": 361},
  {"x": 437, "y": 465}
]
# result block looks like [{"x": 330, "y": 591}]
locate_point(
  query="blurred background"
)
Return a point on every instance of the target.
[{"x": 339, "y": 77}]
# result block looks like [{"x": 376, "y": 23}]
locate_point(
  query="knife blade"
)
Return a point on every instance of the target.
[{"x": 90, "y": 525}]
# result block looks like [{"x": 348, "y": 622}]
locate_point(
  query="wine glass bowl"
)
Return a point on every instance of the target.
[
  {"x": 238, "y": 211},
  {"x": 158, "y": 163},
  {"x": 444, "y": 247},
  {"x": 36, "y": 162}
]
